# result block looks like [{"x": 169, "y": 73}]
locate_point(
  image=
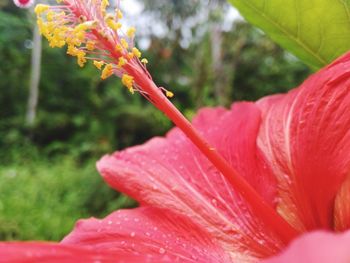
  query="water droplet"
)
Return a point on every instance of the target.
[
  {"x": 161, "y": 250},
  {"x": 132, "y": 234},
  {"x": 261, "y": 242},
  {"x": 109, "y": 222}
]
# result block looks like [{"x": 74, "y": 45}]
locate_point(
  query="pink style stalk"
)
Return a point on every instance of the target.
[{"x": 93, "y": 34}]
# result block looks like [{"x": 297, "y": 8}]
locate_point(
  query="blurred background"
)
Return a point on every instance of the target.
[{"x": 57, "y": 120}]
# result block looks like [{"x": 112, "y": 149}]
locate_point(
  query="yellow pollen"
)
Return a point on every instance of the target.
[
  {"x": 90, "y": 45},
  {"x": 58, "y": 26},
  {"x": 50, "y": 16},
  {"x": 124, "y": 43},
  {"x": 118, "y": 48},
  {"x": 111, "y": 23},
  {"x": 107, "y": 71},
  {"x": 85, "y": 26},
  {"x": 128, "y": 82},
  {"x": 72, "y": 50},
  {"x": 121, "y": 62},
  {"x": 104, "y": 4},
  {"x": 131, "y": 32},
  {"x": 98, "y": 64},
  {"x": 131, "y": 55},
  {"x": 119, "y": 14},
  {"x": 144, "y": 61},
  {"x": 136, "y": 52},
  {"x": 169, "y": 94},
  {"x": 40, "y": 8},
  {"x": 81, "y": 61},
  {"x": 119, "y": 25}
]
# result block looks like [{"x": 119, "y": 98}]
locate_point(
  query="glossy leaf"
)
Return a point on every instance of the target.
[{"x": 316, "y": 31}]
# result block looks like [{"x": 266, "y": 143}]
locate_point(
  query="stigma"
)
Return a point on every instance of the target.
[{"x": 90, "y": 32}]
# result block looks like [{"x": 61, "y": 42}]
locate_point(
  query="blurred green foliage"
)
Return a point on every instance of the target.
[
  {"x": 41, "y": 199},
  {"x": 47, "y": 173}
]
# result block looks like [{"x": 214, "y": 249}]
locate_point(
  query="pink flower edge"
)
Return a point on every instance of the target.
[{"x": 319, "y": 246}]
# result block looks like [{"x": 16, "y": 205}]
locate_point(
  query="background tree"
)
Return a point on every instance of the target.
[{"x": 35, "y": 73}]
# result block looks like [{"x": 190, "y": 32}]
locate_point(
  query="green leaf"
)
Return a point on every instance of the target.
[{"x": 316, "y": 31}]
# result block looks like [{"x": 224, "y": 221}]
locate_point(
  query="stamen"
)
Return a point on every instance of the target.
[
  {"x": 107, "y": 71},
  {"x": 86, "y": 28},
  {"x": 98, "y": 64},
  {"x": 83, "y": 26}
]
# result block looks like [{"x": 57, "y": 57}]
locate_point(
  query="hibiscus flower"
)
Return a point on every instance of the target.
[
  {"x": 292, "y": 148},
  {"x": 266, "y": 173}
]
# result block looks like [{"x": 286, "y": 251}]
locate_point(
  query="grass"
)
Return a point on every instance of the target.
[{"x": 42, "y": 199}]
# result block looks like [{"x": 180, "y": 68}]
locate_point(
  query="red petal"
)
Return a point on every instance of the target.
[
  {"x": 28, "y": 252},
  {"x": 170, "y": 173},
  {"x": 320, "y": 247},
  {"x": 342, "y": 207},
  {"x": 305, "y": 136},
  {"x": 147, "y": 231}
]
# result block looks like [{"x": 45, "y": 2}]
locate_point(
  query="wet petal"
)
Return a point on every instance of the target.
[
  {"x": 29, "y": 252},
  {"x": 149, "y": 232},
  {"x": 305, "y": 136},
  {"x": 170, "y": 173},
  {"x": 320, "y": 247},
  {"x": 342, "y": 207}
]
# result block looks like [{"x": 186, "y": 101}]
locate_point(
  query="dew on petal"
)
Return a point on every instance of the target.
[
  {"x": 161, "y": 250},
  {"x": 261, "y": 242}
]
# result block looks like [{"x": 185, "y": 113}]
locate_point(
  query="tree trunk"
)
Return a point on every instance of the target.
[
  {"x": 220, "y": 83},
  {"x": 34, "y": 78}
]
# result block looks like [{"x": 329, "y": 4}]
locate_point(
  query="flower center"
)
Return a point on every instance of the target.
[{"x": 92, "y": 34}]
